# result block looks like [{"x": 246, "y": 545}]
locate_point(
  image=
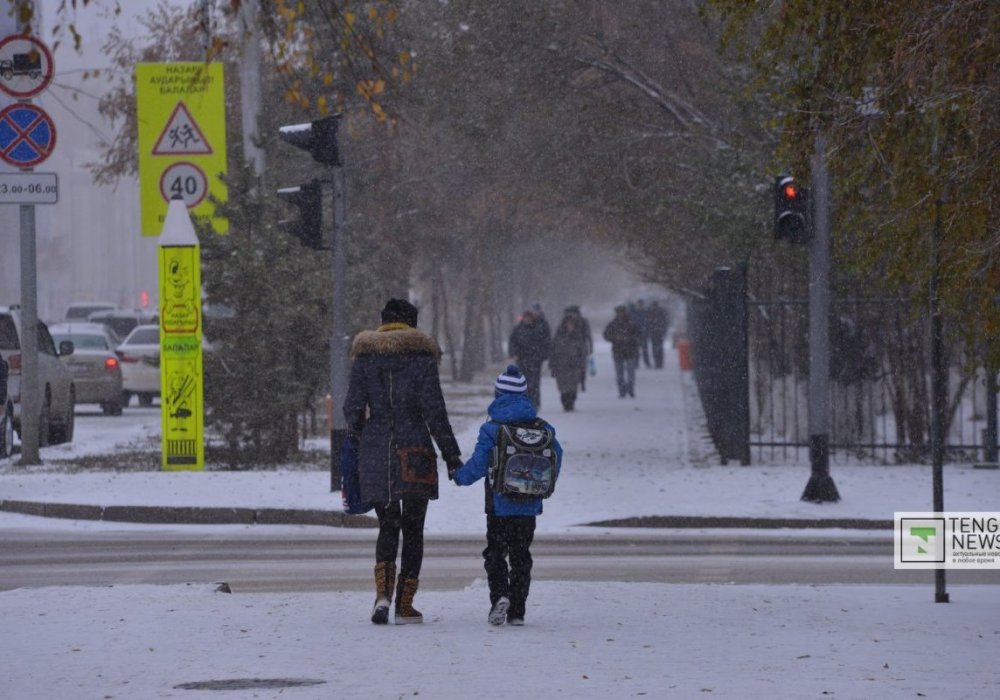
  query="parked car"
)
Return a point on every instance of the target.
[
  {"x": 121, "y": 322},
  {"x": 96, "y": 368},
  {"x": 140, "y": 357},
  {"x": 80, "y": 310},
  {"x": 55, "y": 382}
]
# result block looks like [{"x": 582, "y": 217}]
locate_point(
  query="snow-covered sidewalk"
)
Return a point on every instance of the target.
[{"x": 625, "y": 458}]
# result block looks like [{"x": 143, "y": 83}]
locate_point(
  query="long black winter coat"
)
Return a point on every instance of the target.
[
  {"x": 529, "y": 342},
  {"x": 394, "y": 403}
]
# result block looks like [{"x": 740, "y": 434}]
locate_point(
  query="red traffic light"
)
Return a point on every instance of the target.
[{"x": 791, "y": 210}]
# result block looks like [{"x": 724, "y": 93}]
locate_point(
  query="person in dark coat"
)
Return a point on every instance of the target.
[
  {"x": 568, "y": 358},
  {"x": 639, "y": 314},
  {"x": 510, "y": 523},
  {"x": 657, "y": 323},
  {"x": 529, "y": 347},
  {"x": 394, "y": 406},
  {"x": 624, "y": 336},
  {"x": 589, "y": 336}
]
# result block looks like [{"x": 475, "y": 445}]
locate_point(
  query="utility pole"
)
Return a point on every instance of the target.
[{"x": 250, "y": 88}]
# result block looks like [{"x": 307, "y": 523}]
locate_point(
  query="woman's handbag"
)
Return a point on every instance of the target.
[{"x": 350, "y": 482}]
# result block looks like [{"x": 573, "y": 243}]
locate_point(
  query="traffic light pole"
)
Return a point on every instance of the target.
[
  {"x": 820, "y": 488},
  {"x": 339, "y": 340},
  {"x": 319, "y": 138}
]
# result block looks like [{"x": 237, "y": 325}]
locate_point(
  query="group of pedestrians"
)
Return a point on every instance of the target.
[
  {"x": 633, "y": 332},
  {"x": 396, "y": 411},
  {"x": 636, "y": 333},
  {"x": 568, "y": 352}
]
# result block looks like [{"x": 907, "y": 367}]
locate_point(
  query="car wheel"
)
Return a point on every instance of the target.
[
  {"x": 112, "y": 408},
  {"x": 7, "y": 431},
  {"x": 145, "y": 399},
  {"x": 126, "y": 398},
  {"x": 63, "y": 431}
]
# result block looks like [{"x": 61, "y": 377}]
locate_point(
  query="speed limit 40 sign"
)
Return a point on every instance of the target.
[{"x": 184, "y": 180}]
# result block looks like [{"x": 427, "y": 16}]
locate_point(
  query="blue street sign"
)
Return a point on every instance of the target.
[{"x": 27, "y": 135}]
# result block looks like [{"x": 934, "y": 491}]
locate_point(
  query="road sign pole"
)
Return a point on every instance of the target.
[
  {"x": 28, "y": 137},
  {"x": 31, "y": 403}
]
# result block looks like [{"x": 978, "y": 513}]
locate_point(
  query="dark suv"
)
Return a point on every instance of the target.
[{"x": 55, "y": 382}]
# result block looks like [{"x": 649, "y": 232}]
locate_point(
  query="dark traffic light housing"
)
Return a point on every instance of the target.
[
  {"x": 319, "y": 137},
  {"x": 792, "y": 218},
  {"x": 308, "y": 228}
]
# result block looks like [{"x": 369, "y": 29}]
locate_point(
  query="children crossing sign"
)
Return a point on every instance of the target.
[{"x": 182, "y": 140}]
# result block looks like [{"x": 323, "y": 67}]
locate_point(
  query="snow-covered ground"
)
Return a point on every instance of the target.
[{"x": 624, "y": 458}]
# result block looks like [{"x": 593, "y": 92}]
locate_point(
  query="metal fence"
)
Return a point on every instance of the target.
[{"x": 751, "y": 366}]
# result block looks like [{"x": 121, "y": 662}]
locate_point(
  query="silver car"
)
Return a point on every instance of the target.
[
  {"x": 96, "y": 369},
  {"x": 140, "y": 357},
  {"x": 55, "y": 383}
]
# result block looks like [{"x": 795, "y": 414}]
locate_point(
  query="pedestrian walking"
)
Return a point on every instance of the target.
[
  {"x": 510, "y": 522},
  {"x": 624, "y": 337},
  {"x": 568, "y": 357},
  {"x": 657, "y": 323},
  {"x": 394, "y": 406},
  {"x": 639, "y": 314},
  {"x": 529, "y": 348},
  {"x": 588, "y": 363}
]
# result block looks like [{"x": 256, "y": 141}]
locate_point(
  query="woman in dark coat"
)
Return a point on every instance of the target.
[
  {"x": 395, "y": 406},
  {"x": 568, "y": 357}
]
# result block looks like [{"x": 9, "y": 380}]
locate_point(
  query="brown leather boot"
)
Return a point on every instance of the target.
[
  {"x": 385, "y": 581},
  {"x": 406, "y": 614}
]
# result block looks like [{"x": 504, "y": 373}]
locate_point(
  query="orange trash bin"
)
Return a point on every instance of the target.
[{"x": 684, "y": 353}]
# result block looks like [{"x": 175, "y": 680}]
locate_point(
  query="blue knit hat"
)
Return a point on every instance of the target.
[{"x": 511, "y": 382}]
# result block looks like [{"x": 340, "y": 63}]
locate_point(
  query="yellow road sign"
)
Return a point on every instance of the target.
[{"x": 181, "y": 112}]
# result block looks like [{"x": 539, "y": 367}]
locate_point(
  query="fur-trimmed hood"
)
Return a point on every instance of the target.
[{"x": 395, "y": 339}]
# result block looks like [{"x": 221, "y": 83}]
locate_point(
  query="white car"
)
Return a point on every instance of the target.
[
  {"x": 96, "y": 368},
  {"x": 80, "y": 310},
  {"x": 55, "y": 382},
  {"x": 140, "y": 357},
  {"x": 121, "y": 322}
]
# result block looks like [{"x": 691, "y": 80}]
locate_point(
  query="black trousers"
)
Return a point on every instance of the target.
[
  {"x": 509, "y": 539},
  {"x": 406, "y": 517}
]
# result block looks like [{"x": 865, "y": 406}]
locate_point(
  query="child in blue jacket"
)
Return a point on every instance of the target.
[{"x": 510, "y": 524}]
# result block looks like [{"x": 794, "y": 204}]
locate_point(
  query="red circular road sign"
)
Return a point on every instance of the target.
[
  {"x": 27, "y": 134},
  {"x": 186, "y": 180},
  {"x": 26, "y": 66}
]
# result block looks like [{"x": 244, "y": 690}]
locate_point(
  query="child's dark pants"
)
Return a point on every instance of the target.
[{"x": 509, "y": 538}]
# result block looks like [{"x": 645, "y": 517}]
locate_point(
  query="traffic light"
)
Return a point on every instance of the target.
[
  {"x": 792, "y": 219},
  {"x": 319, "y": 137},
  {"x": 308, "y": 228}
]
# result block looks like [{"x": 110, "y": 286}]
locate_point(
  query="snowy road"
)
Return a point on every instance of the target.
[{"x": 292, "y": 561}]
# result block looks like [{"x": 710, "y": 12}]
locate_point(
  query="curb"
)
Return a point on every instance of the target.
[
  {"x": 189, "y": 515},
  {"x": 696, "y": 521}
]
